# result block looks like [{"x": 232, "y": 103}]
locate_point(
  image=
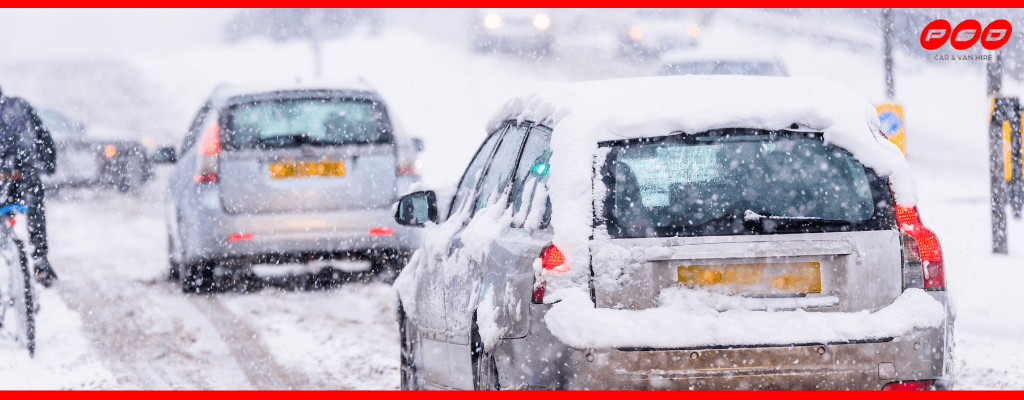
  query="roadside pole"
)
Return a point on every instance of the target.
[
  {"x": 1012, "y": 164},
  {"x": 1000, "y": 113},
  {"x": 890, "y": 89}
]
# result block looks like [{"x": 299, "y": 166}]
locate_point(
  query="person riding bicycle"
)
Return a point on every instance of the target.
[{"x": 21, "y": 127}]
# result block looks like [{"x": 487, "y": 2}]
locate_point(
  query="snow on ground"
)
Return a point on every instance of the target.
[{"x": 113, "y": 321}]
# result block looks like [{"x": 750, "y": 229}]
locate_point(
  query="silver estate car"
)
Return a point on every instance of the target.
[
  {"x": 737, "y": 206},
  {"x": 288, "y": 178}
]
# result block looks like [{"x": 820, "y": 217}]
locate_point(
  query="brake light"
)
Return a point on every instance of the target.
[
  {"x": 209, "y": 144},
  {"x": 109, "y": 151},
  {"x": 382, "y": 232},
  {"x": 920, "y": 247},
  {"x": 912, "y": 385},
  {"x": 235, "y": 237},
  {"x": 205, "y": 177},
  {"x": 552, "y": 261}
]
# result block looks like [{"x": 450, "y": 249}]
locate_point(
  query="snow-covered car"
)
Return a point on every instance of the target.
[
  {"x": 281, "y": 179},
  {"x": 649, "y": 32},
  {"x": 686, "y": 62},
  {"x": 518, "y": 30},
  {"x": 684, "y": 232},
  {"x": 94, "y": 156}
]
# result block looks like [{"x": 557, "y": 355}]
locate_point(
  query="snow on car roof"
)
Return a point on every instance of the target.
[
  {"x": 679, "y": 56},
  {"x": 583, "y": 114},
  {"x": 229, "y": 90}
]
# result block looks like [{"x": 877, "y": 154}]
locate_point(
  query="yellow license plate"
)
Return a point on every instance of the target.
[
  {"x": 757, "y": 279},
  {"x": 306, "y": 169}
]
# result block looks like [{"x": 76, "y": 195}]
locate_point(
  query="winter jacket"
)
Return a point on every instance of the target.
[{"x": 24, "y": 138}]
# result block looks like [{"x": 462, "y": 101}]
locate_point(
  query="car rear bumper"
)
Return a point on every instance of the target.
[
  {"x": 920, "y": 355},
  {"x": 298, "y": 236}
]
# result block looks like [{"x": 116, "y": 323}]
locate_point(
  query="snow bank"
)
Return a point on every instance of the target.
[
  {"x": 583, "y": 114},
  {"x": 681, "y": 322}
]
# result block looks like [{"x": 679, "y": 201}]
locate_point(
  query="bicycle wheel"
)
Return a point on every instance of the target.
[{"x": 17, "y": 294}]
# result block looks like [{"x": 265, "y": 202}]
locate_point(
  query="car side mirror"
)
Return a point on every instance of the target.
[
  {"x": 417, "y": 143},
  {"x": 415, "y": 209},
  {"x": 164, "y": 155}
]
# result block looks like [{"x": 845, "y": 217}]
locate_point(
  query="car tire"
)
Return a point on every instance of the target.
[
  {"x": 196, "y": 277},
  {"x": 485, "y": 370},
  {"x": 406, "y": 332}
]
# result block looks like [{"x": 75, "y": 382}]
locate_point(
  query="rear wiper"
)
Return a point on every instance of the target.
[{"x": 750, "y": 215}]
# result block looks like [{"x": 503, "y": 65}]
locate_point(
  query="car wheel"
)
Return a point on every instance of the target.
[
  {"x": 485, "y": 370},
  {"x": 408, "y": 367},
  {"x": 196, "y": 277}
]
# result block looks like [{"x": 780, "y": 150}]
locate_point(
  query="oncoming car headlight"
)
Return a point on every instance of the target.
[
  {"x": 492, "y": 21},
  {"x": 541, "y": 21}
]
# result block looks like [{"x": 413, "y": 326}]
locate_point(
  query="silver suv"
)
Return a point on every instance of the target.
[
  {"x": 735, "y": 258},
  {"x": 287, "y": 179}
]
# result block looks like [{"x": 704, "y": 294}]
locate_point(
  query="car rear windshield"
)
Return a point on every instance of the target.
[
  {"x": 757, "y": 68},
  {"x": 314, "y": 121},
  {"x": 738, "y": 182}
]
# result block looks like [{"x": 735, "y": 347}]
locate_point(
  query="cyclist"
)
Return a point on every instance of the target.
[{"x": 20, "y": 126}]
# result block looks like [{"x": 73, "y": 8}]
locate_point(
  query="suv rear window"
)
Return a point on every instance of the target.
[
  {"x": 739, "y": 182},
  {"x": 314, "y": 121}
]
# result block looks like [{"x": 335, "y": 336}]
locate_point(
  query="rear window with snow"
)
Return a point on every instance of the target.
[
  {"x": 291, "y": 122},
  {"x": 736, "y": 182}
]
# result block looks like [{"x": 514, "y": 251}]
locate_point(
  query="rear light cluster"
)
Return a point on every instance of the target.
[
  {"x": 237, "y": 237},
  {"x": 922, "y": 256},
  {"x": 910, "y": 385},
  {"x": 408, "y": 167},
  {"x": 553, "y": 262},
  {"x": 209, "y": 148},
  {"x": 382, "y": 232}
]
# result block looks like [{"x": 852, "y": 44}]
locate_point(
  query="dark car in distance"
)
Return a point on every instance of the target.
[{"x": 94, "y": 157}]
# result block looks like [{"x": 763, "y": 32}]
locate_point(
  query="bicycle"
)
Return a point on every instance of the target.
[{"x": 16, "y": 291}]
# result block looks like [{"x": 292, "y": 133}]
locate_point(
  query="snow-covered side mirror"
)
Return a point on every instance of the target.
[{"x": 415, "y": 209}]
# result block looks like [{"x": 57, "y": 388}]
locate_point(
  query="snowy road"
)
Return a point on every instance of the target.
[{"x": 109, "y": 252}]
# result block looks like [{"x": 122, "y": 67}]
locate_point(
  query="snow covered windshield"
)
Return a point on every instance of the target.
[
  {"x": 739, "y": 181},
  {"x": 292, "y": 122}
]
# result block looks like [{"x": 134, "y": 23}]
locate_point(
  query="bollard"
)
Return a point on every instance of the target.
[
  {"x": 1013, "y": 164},
  {"x": 1004, "y": 112}
]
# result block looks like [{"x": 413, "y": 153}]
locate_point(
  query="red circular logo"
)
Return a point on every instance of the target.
[
  {"x": 935, "y": 34},
  {"x": 965, "y": 34},
  {"x": 996, "y": 34}
]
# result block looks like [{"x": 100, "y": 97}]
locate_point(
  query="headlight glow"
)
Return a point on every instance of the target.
[
  {"x": 492, "y": 21},
  {"x": 635, "y": 33},
  {"x": 693, "y": 31},
  {"x": 541, "y": 21}
]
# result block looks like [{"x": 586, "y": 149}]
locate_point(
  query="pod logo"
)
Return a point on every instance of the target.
[{"x": 966, "y": 34}]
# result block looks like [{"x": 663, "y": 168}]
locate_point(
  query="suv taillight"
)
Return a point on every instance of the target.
[
  {"x": 552, "y": 261},
  {"x": 909, "y": 385},
  {"x": 209, "y": 148},
  {"x": 922, "y": 255}
]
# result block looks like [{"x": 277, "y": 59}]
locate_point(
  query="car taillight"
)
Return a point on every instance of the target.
[
  {"x": 922, "y": 255},
  {"x": 109, "y": 151},
  {"x": 209, "y": 145},
  {"x": 235, "y": 237},
  {"x": 209, "y": 148},
  {"x": 912, "y": 385},
  {"x": 553, "y": 262},
  {"x": 382, "y": 232}
]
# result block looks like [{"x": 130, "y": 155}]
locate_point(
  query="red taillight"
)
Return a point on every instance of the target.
[
  {"x": 206, "y": 177},
  {"x": 209, "y": 145},
  {"x": 109, "y": 151},
  {"x": 382, "y": 232},
  {"x": 914, "y": 385},
  {"x": 10, "y": 222},
  {"x": 552, "y": 259},
  {"x": 236, "y": 237},
  {"x": 925, "y": 244}
]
